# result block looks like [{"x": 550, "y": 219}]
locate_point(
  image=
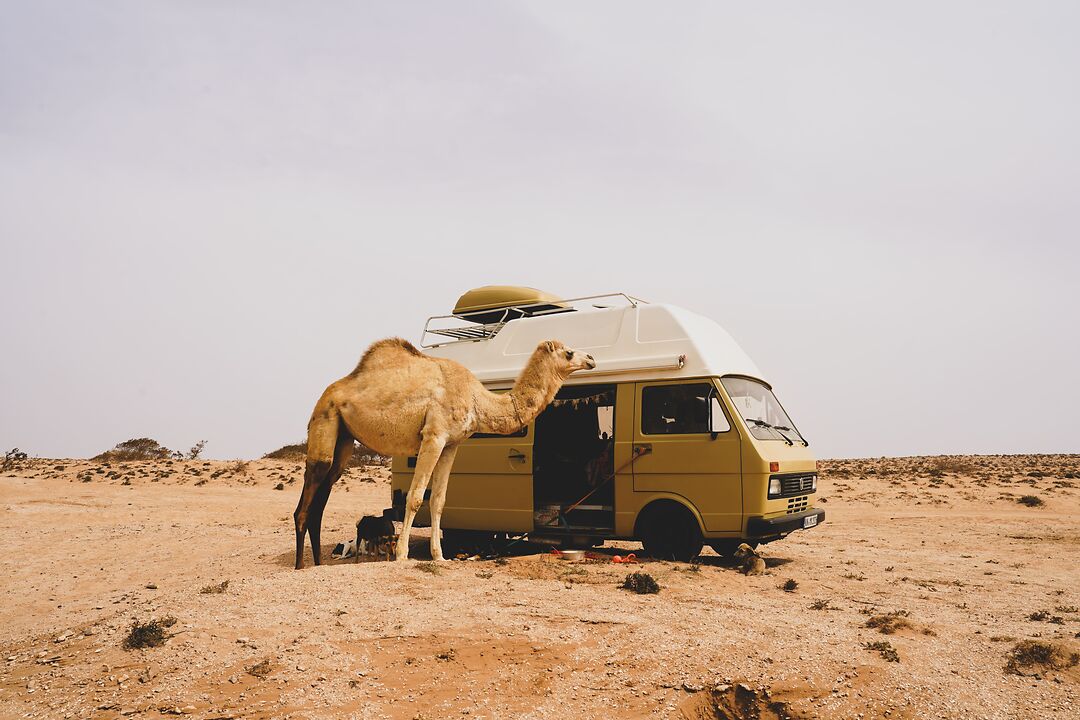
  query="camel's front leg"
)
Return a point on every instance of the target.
[
  {"x": 439, "y": 480},
  {"x": 430, "y": 450}
]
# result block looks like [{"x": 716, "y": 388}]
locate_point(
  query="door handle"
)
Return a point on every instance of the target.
[
  {"x": 642, "y": 448},
  {"x": 516, "y": 455}
]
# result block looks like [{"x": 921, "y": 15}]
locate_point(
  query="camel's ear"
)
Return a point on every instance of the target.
[{"x": 550, "y": 346}]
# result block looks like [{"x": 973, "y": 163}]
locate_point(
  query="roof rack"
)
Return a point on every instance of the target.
[{"x": 448, "y": 326}]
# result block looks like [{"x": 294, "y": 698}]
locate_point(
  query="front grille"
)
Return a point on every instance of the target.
[
  {"x": 797, "y": 504},
  {"x": 792, "y": 485},
  {"x": 795, "y": 484}
]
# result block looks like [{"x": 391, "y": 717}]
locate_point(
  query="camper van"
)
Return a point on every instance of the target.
[{"x": 675, "y": 439}]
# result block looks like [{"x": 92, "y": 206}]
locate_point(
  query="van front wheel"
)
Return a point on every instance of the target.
[
  {"x": 725, "y": 548},
  {"x": 671, "y": 533}
]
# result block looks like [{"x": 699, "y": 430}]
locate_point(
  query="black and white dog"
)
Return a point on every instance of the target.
[{"x": 376, "y": 535}]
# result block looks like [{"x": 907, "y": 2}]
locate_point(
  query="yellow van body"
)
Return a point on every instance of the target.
[{"x": 723, "y": 479}]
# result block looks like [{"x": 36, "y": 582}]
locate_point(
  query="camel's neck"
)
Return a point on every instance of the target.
[{"x": 506, "y": 413}]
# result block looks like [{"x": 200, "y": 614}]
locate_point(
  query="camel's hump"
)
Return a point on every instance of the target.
[{"x": 389, "y": 346}]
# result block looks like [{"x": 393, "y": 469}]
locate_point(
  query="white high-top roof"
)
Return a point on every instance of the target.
[{"x": 643, "y": 341}]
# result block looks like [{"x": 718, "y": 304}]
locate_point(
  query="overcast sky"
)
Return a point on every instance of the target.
[{"x": 209, "y": 209}]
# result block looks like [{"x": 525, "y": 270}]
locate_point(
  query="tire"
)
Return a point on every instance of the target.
[
  {"x": 468, "y": 542},
  {"x": 725, "y": 548},
  {"x": 670, "y": 532}
]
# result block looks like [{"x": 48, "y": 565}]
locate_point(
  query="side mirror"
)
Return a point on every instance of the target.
[{"x": 718, "y": 421}]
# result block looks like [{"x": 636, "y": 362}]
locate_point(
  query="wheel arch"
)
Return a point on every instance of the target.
[{"x": 662, "y": 502}]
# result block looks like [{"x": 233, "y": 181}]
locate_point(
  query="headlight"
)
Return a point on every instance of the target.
[
  {"x": 774, "y": 487},
  {"x": 813, "y": 484}
]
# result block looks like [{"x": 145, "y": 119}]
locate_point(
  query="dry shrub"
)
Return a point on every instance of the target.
[
  {"x": 1039, "y": 656},
  {"x": 885, "y": 649},
  {"x": 641, "y": 583},
  {"x": 289, "y": 452},
  {"x": 135, "y": 449},
  {"x": 240, "y": 467},
  {"x": 947, "y": 464},
  {"x": 196, "y": 450},
  {"x": 1031, "y": 500},
  {"x": 12, "y": 459},
  {"x": 362, "y": 455},
  {"x": 890, "y": 623},
  {"x": 430, "y": 567},
  {"x": 149, "y": 634},
  {"x": 218, "y": 589},
  {"x": 260, "y": 669}
]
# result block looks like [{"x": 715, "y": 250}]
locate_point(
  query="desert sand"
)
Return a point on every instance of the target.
[{"x": 938, "y": 551}]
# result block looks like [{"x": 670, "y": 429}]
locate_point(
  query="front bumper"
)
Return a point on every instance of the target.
[{"x": 758, "y": 527}]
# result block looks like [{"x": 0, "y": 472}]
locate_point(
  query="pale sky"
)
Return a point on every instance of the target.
[{"x": 209, "y": 209}]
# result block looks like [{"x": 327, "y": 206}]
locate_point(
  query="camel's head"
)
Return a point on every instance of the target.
[{"x": 566, "y": 360}]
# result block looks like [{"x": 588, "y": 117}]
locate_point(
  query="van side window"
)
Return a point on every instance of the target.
[{"x": 676, "y": 409}]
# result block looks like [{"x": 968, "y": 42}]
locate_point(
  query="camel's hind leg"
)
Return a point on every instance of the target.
[
  {"x": 440, "y": 478},
  {"x": 342, "y": 454},
  {"x": 325, "y": 440},
  {"x": 430, "y": 450}
]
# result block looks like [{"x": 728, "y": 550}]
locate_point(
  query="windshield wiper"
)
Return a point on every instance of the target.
[
  {"x": 785, "y": 427},
  {"x": 762, "y": 423}
]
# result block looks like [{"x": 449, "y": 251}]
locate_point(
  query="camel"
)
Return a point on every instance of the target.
[{"x": 399, "y": 401}]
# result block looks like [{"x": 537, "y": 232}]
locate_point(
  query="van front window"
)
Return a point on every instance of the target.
[{"x": 761, "y": 410}]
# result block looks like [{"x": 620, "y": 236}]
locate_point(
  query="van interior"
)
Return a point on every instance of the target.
[{"x": 573, "y": 461}]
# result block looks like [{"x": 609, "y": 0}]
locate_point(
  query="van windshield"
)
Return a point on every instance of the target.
[{"x": 761, "y": 410}]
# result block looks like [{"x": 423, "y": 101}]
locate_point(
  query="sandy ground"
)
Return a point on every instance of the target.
[{"x": 88, "y": 549}]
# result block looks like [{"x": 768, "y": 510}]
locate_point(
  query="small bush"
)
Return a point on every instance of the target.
[
  {"x": 240, "y": 467},
  {"x": 12, "y": 458},
  {"x": 1033, "y": 654},
  {"x": 135, "y": 449},
  {"x": 260, "y": 669},
  {"x": 1031, "y": 500},
  {"x": 288, "y": 452},
  {"x": 888, "y": 624},
  {"x": 196, "y": 450},
  {"x": 218, "y": 589},
  {"x": 945, "y": 464},
  {"x": 431, "y": 567},
  {"x": 362, "y": 455},
  {"x": 885, "y": 649},
  {"x": 641, "y": 583},
  {"x": 820, "y": 605},
  {"x": 149, "y": 634},
  {"x": 789, "y": 586}
]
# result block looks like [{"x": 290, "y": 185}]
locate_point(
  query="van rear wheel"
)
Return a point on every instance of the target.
[{"x": 670, "y": 532}]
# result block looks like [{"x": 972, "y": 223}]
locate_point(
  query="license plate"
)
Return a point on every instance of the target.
[{"x": 809, "y": 521}]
